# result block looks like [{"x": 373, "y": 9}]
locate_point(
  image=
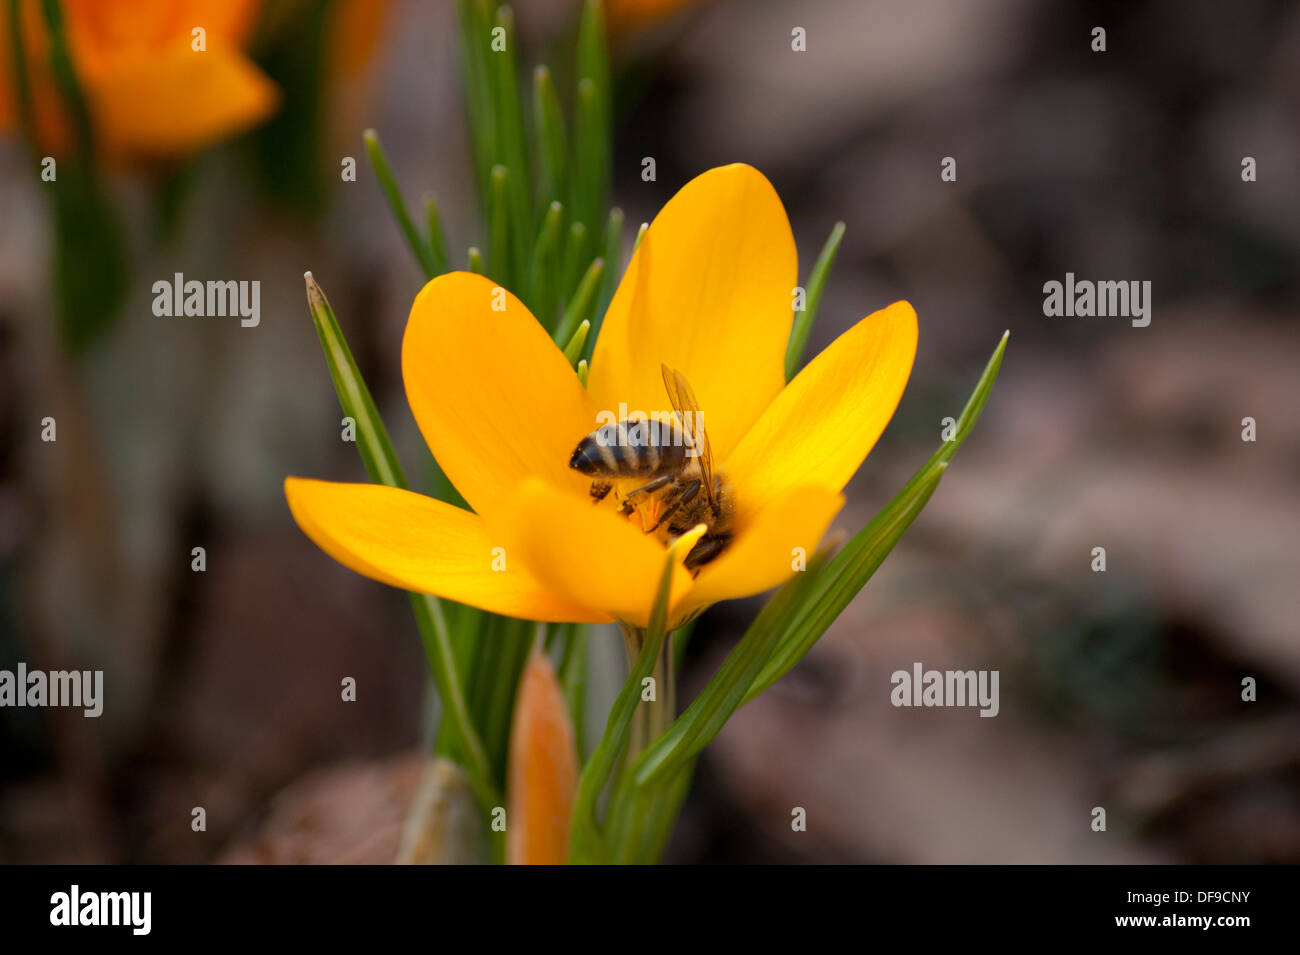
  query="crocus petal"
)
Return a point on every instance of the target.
[
  {"x": 708, "y": 293},
  {"x": 418, "y": 543},
  {"x": 543, "y": 776},
  {"x": 820, "y": 428},
  {"x": 585, "y": 554},
  {"x": 176, "y": 101},
  {"x": 495, "y": 399},
  {"x": 775, "y": 544}
]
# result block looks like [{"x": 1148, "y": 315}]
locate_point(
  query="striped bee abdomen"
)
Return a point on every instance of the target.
[{"x": 631, "y": 449}]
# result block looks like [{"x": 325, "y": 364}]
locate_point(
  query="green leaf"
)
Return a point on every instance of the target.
[
  {"x": 437, "y": 235},
  {"x": 499, "y": 227},
  {"x": 476, "y": 263},
  {"x": 594, "y": 138},
  {"x": 381, "y": 464},
  {"x": 393, "y": 195},
  {"x": 816, "y": 286},
  {"x": 22, "y": 86},
  {"x": 573, "y": 678},
  {"x": 575, "y": 260},
  {"x": 90, "y": 271},
  {"x": 579, "y": 339},
  {"x": 580, "y": 306},
  {"x": 296, "y": 55},
  {"x": 502, "y": 652},
  {"x": 549, "y": 121},
  {"x": 641, "y": 818},
  {"x": 511, "y": 141},
  {"x": 613, "y": 256},
  {"x": 592, "y": 162},
  {"x": 65, "y": 76},
  {"x": 545, "y": 293},
  {"x": 475, "y": 47},
  {"x": 89, "y": 264}
]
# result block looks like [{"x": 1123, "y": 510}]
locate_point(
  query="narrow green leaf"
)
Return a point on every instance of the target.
[
  {"x": 499, "y": 227},
  {"x": 975, "y": 404},
  {"x": 388, "y": 184},
  {"x": 381, "y": 464},
  {"x": 437, "y": 234},
  {"x": 613, "y": 255},
  {"x": 21, "y": 82},
  {"x": 573, "y": 679},
  {"x": 90, "y": 272},
  {"x": 549, "y": 121},
  {"x": 89, "y": 267},
  {"x": 579, "y": 339},
  {"x": 641, "y": 818},
  {"x": 511, "y": 141},
  {"x": 580, "y": 305},
  {"x": 591, "y": 163},
  {"x": 496, "y": 680},
  {"x": 575, "y": 259},
  {"x": 593, "y": 140},
  {"x": 816, "y": 286},
  {"x": 475, "y": 47},
  {"x": 582, "y": 372},
  {"x": 476, "y": 263},
  {"x": 65, "y": 75},
  {"x": 545, "y": 294}
]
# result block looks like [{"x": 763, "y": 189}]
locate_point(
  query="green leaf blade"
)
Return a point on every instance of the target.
[
  {"x": 380, "y": 459},
  {"x": 393, "y": 196},
  {"x": 803, "y": 320}
]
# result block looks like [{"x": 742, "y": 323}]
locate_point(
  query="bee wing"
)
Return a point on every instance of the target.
[{"x": 683, "y": 399}]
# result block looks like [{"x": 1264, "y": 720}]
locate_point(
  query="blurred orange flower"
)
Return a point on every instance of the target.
[
  {"x": 161, "y": 77},
  {"x": 628, "y": 15}
]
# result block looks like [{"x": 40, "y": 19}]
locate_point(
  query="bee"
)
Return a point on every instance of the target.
[{"x": 677, "y": 469}]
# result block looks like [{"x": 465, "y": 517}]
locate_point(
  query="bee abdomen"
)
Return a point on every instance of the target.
[{"x": 625, "y": 450}]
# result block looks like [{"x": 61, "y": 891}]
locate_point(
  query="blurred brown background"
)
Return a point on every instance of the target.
[{"x": 1120, "y": 689}]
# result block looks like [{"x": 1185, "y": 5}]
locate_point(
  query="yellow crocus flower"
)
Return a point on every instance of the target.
[{"x": 709, "y": 293}]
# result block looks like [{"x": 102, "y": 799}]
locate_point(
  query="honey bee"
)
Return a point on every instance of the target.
[{"x": 677, "y": 465}]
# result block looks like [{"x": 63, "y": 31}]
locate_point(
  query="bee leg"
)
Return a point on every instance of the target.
[
  {"x": 689, "y": 491},
  {"x": 654, "y": 485},
  {"x": 599, "y": 490},
  {"x": 705, "y": 549}
]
